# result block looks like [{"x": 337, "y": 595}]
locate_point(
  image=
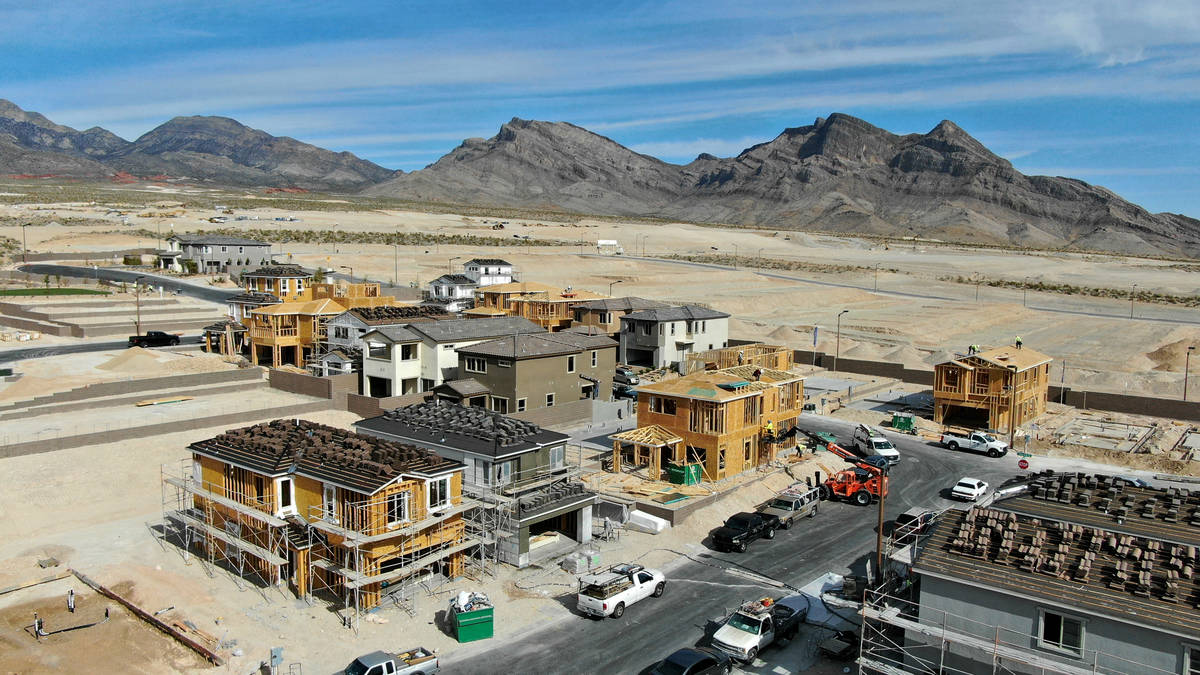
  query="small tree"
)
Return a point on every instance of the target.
[
  {"x": 319, "y": 276},
  {"x": 58, "y": 280},
  {"x": 190, "y": 266},
  {"x": 46, "y": 280}
]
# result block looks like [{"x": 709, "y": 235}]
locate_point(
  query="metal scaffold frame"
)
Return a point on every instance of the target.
[
  {"x": 224, "y": 546},
  {"x": 343, "y": 565}
]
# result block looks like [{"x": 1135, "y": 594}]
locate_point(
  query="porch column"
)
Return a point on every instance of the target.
[
  {"x": 656, "y": 463},
  {"x": 616, "y": 462},
  {"x": 208, "y": 342}
]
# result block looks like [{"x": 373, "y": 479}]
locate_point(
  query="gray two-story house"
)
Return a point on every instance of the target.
[
  {"x": 662, "y": 338},
  {"x": 214, "y": 253},
  {"x": 1075, "y": 574},
  {"x": 342, "y": 349},
  {"x": 541, "y": 370},
  {"x": 516, "y": 470}
]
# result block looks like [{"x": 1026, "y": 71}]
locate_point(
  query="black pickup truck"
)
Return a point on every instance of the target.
[
  {"x": 153, "y": 338},
  {"x": 742, "y": 528}
]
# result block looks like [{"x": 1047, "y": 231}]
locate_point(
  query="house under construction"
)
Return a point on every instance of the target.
[
  {"x": 325, "y": 511},
  {"x": 1074, "y": 574}
]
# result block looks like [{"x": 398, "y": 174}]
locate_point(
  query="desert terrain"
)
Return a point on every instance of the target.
[{"x": 909, "y": 301}]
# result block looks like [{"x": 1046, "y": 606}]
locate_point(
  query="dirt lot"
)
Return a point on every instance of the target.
[
  {"x": 1106, "y": 352},
  {"x": 75, "y": 647}
]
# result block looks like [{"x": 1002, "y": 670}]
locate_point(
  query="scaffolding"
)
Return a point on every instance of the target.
[
  {"x": 341, "y": 560},
  {"x": 898, "y": 640},
  {"x": 235, "y": 530}
]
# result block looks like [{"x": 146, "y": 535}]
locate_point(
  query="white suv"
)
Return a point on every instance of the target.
[
  {"x": 868, "y": 442},
  {"x": 969, "y": 489}
]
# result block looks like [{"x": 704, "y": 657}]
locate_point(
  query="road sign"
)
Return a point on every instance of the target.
[
  {"x": 1023, "y": 464},
  {"x": 1024, "y": 454}
]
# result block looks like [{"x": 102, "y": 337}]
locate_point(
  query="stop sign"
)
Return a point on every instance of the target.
[{"x": 1023, "y": 464}]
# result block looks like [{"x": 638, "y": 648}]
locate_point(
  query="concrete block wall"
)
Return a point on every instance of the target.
[
  {"x": 564, "y": 414},
  {"x": 145, "y": 384}
]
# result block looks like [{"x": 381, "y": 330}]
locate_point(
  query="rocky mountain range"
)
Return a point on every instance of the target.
[
  {"x": 838, "y": 174},
  {"x": 213, "y": 150}
]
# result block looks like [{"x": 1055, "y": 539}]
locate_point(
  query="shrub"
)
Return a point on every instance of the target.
[{"x": 132, "y": 260}]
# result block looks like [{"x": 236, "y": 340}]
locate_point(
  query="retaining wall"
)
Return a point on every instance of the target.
[
  {"x": 564, "y": 414},
  {"x": 116, "y": 435},
  {"x": 93, "y": 255},
  {"x": 368, "y": 406},
  {"x": 145, "y": 384}
]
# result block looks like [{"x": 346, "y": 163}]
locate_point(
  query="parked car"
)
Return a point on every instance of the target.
[
  {"x": 742, "y": 528},
  {"x": 419, "y": 661},
  {"x": 868, "y": 441},
  {"x": 976, "y": 441},
  {"x": 625, "y": 375},
  {"x": 910, "y": 524},
  {"x": 969, "y": 489},
  {"x": 756, "y": 625},
  {"x": 610, "y": 592},
  {"x": 694, "y": 661},
  {"x": 624, "y": 391},
  {"x": 798, "y": 501},
  {"x": 153, "y": 338}
]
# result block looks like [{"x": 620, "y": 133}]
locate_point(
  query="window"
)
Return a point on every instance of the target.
[
  {"x": 379, "y": 350},
  {"x": 1061, "y": 633},
  {"x": 521, "y": 404},
  {"x": 447, "y": 348},
  {"x": 595, "y": 358},
  {"x": 197, "y": 472},
  {"x": 504, "y": 364},
  {"x": 570, "y": 364},
  {"x": 672, "y": 328},
  {"x": 241, "y": 249},
  {"x": 646, "y": 328},
  {"x": 341, "y": 332},
  {"x": 397, "y": 508},
  {"x": 438, "y": 491},
  {"x": 1191, "y": 660},
  {"x": 475, "y": 365},
  {"x": 500, "y": 405},
  {"x": 224, "y": 249},
  {"x": 503, "y": 473},
  {"x": 549, "y": 400},
  {"x": 665, "y": 406},
  {"x": 329, "y": 502},
  {"x": 408, "y": 352},
  {"x": 558, "y": 456},
  {"x": 283, "y": 285},
  {"x": 747, "y": 453},
  {"x": 605, "y": 317},
  {"x": 287, "y": 501}
]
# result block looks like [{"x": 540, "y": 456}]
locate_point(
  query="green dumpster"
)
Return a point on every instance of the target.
[
  {"x": 685, "y": 474},
  {"x": 473, "y": 625},
  {"x": 902, "y": 421}
]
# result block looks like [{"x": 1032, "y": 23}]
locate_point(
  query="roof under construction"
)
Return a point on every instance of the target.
[
  {"x": 387, "y": 314},
  {"x": 1003, "y": 357},
  {"x": 281, "y": 271},
  {"x": 358, "y": 462},
  {"x": 721, "y": 385},
  {"x": 469, "y": 429},
  {"x": 254, "y": 298},
  {"x": 1096, "y": 543}
]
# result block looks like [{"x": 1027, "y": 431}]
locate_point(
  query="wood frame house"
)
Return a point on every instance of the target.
[
  {"x": 977, "y": 390},
  {"x": 292, "y": 329},
  {"x": 323, "y": 509},
  {"x": 721, "y": 418},
  {"x": 548, "y": 306}
]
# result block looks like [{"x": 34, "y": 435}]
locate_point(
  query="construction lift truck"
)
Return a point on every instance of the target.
[{"x": 867, "y": 481}]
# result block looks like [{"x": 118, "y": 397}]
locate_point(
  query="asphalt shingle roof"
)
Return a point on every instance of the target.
[
  {"x": 356, "y": 461},
  {"x": 469, "y": 429},
  {"x": 455, "y": 330},
  {"x": 395, "y": 333},
  {"x": 460, "y": 279},
  {"x": 489, "y": 261},
  {"x": 217, "y": 239},
  {"x": 539, "y": 345},
  {"x": 627, "y": 304},
  {"x": 684, "y": 313}
]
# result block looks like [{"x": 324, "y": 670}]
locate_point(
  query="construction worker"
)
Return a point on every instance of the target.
[
  {"x": 770, "y": 428},
  {"x": 1018, "y": 341}
]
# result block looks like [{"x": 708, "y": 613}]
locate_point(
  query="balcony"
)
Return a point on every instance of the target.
[{"x": 269, "y": 333}]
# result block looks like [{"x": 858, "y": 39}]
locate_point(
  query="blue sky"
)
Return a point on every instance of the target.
[{"x": 1107, "y": 92}]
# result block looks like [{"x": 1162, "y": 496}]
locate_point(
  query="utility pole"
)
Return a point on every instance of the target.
[
  {"x": 876, "y": 277},
  {"x": 24, "y": 248},
  {"x": 1187, "y": 362},
  {"x": 883, "y": 488},
  {"x": 1012, "y": 409},
  {"x": 450, "y": 261},
  {"x": 837, "y": 350},
  {"x": 1132, "y": 299},
  {"x": 137, "y": 299},
  {"x": 1062, "y": 385},
  {"x": 395, "y": 264}
]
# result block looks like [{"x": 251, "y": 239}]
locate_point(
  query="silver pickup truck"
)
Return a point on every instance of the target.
[
  {"x": 418, "y": 661},
  {"x": 798, "y": 501}
]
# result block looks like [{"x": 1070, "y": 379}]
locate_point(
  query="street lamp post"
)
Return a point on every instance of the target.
[
  {"x": 395, "y": 264},
  {"x": 611, "y": 284},
  {"x": 1025, "y": 292},
  {"x": 645, "y": 238},
  {"x": 1132, "y": 299},
  {"x": 1012, "y": 408},
  {"x": 450, "y": 261},
  {"x": 877, "y": 277},
  {"x": 137, "y": 300},
  {"x": 348, "y": 267},
  {"x": 1187, "y": 362},
  {"x": 24, "y": 248},
  {"x": 837, "y": 350}
]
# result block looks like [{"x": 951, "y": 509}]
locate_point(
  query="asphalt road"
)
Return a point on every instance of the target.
[
  {"x": 168, "y": 283},
  {"x": 700, "y": 590},
  {"x": 42, "y": 352}
]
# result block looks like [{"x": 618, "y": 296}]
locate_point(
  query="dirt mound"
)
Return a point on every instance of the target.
[
  {"x": 908, "y": 356},
  {"x": 29, "y": 387},
  {"x": 132, "y": 360},
  {"x": 1171, "y": 355},
  {"x": 782, "y": 334}
]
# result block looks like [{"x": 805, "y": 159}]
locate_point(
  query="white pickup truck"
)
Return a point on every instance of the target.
[
  {"x": 610, "y": 592},
  {"x": 976, "y": 441},
  {"x": 759, "y": 623}
]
